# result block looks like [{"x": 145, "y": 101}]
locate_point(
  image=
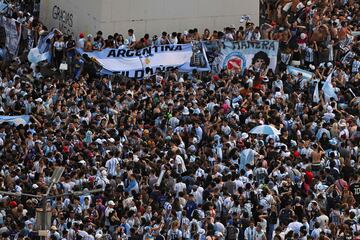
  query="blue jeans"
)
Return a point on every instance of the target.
[{"x": 270, "y": 231}]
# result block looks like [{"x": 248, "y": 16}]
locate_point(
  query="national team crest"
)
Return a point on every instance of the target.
[{"x": 235, "y": 62}]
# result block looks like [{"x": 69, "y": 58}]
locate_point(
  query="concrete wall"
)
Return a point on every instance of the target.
[
  {"x": 71, "y": 16},
  {"x": 145, "y": 16}
]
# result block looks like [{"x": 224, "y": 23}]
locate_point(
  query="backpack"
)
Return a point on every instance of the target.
[
  {"x": 333, "y": 198},
  {"x": 284, "y": 216},
  {"x": 231, "y": 232}
]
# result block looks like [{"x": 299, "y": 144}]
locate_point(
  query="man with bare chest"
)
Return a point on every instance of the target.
[{"x": 316, "y": 158}]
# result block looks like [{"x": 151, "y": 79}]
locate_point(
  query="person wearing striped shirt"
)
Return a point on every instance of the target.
[
  {"x": 309, "y": 53},
  {"x": 355, "y": 65},
  {"x": 250, "y": 232},
  {"x": 112, "y": 163}
]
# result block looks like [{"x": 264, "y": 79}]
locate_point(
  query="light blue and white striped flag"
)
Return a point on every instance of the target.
[
  {"x": 328, "y": 88},
  {"x": 15, "y": 120},
  {"x": 316, "y": 96},
  {"x": 42, "y": 51}
]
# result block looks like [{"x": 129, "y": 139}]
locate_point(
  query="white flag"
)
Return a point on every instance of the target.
[
  {"x": 328, "y": 89},
  {"x": 316, "y": 96}
]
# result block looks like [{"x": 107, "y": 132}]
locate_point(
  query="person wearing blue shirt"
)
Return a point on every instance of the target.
[
  {"x": 78, "y": 65},
  {"x": 2, "y": 54},
  {"x": 133, "y": 184},
  {"x": 125, "y": 225},
  {"x": 190, "y": 206}
]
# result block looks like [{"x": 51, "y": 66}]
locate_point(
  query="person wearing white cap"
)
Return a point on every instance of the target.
[
  {"x": 82, "y": 162},
  {"x": 344, "y": 131},
  {"x": 109, "y": 209},
  {"x": 53, "y": 232},
  {"x": 99, "y": 141},
  {"x": 328, "y": 115},
  {"x": 28, "y": 227},
  {"x": 244, "y": 136},
  {"x": 21, "y": 18},
  {"x": 186, "y": 111}
]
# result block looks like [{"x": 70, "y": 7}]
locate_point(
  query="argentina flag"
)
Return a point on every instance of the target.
[
  {"x": 328, "y": 89},
  {"x": 15, "y": 120}
]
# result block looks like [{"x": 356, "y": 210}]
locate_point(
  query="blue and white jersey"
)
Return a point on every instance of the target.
[
  {"x": 111, "y": 166},
  {"x": 355, "y": 66}
]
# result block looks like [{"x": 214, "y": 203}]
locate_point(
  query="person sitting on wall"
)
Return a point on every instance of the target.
[
  {"x": 131, "y": 38},
  {"x": 100, "y": 40},
  {"x": 88, "y": 47},
  {"x": 81, "y": 41},
  {"x": 140, "y": 44}
]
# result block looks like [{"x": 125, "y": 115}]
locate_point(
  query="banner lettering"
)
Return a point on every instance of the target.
[
  {"x": 238, "y": 56},
  {"x": 135, "y": 63}
]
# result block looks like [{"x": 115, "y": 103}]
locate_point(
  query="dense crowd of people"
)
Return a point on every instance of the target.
[{"x": 174, "y": 154}]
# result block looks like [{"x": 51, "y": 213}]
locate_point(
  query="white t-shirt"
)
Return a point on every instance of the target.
[
  {"x": 59, "y": 46},
  {"x": 174, "y": 234},
  {"x": 295, "y": 226},
  {"x": 179, "y": 187},
  {"x": 131, "y": 39},
  {"x": 229, "y": 36},
  {"x": 309, "y": 54},
  {"x": 315, "y": 234},
  {"x": 173, "y": 40},
  {"x": 200, "y": 172},
  {"x": 81, "y": 43},
  {"x": 323, "y": 220}
]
